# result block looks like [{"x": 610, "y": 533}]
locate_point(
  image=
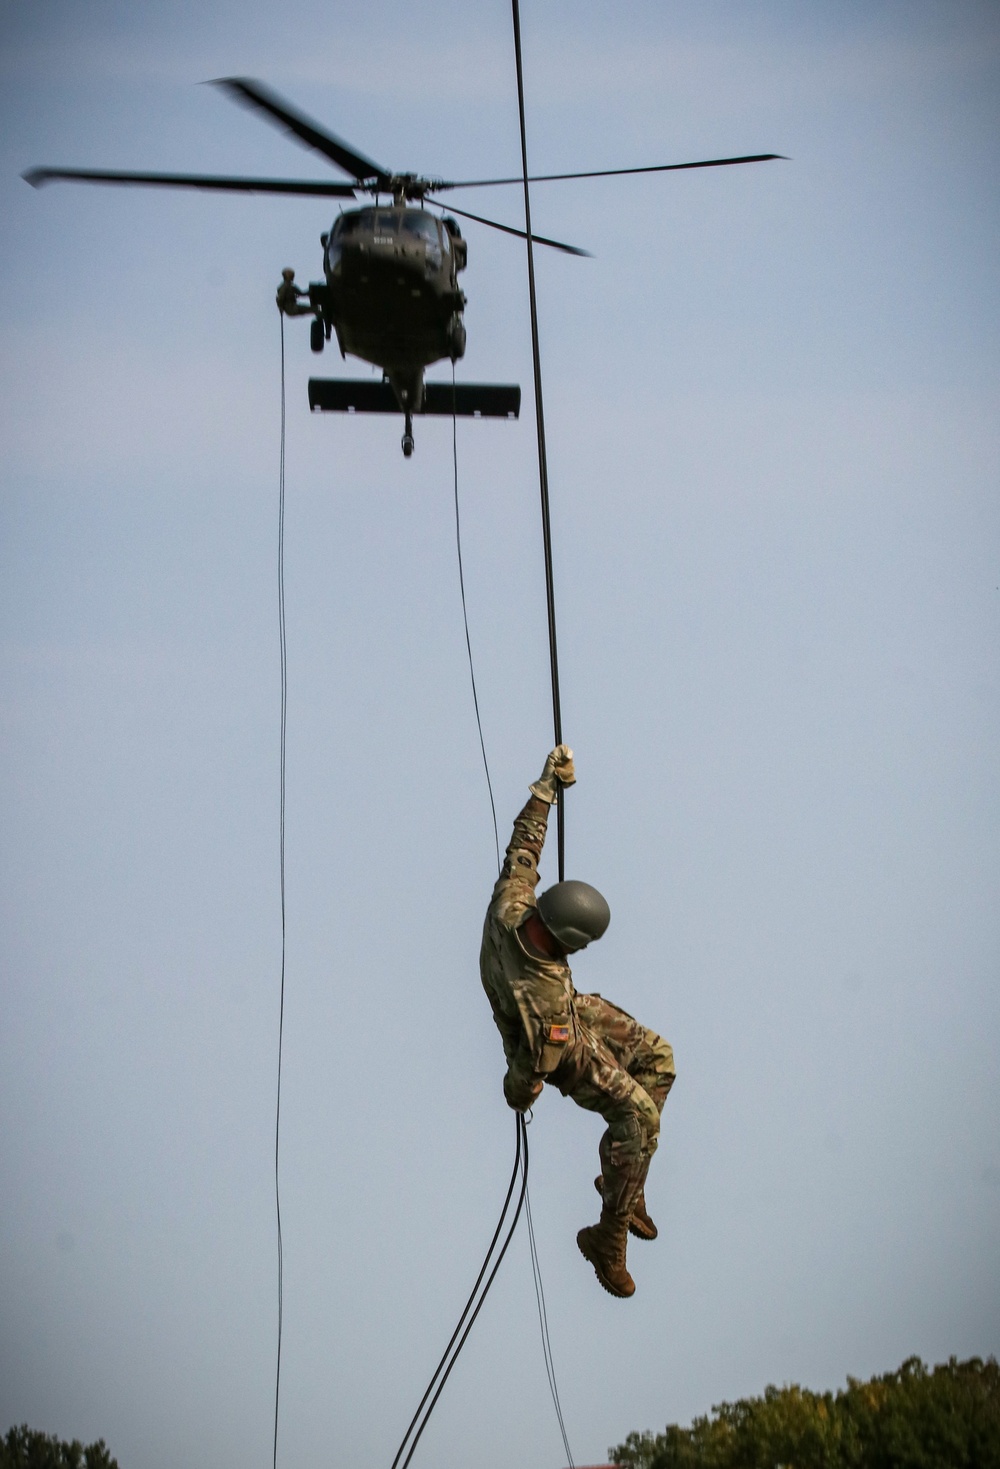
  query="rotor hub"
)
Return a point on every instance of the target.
[{"x": 402, "y": 186}]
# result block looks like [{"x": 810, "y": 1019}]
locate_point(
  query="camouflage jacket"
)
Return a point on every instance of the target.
[
  {"x": 531, "y": 994},
  {"x": 287, "y": 296}
]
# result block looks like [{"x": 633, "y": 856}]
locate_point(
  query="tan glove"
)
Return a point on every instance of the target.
[{"x": 558, "y": 772}]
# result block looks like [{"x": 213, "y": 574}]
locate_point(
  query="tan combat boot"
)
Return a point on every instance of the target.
[
  {"x": 604, "y": 1245},
  {"x": 641, "y": 1225}
]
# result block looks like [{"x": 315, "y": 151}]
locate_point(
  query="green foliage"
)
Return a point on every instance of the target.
[
  {"x": 948, "y": 1418},
  {"x": 23, "y": 1448}
]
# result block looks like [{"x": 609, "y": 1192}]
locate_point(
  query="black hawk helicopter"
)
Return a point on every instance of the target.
[{"x": 390, "y": 290}]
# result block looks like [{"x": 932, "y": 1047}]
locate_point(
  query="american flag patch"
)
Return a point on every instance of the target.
[{"x": 558, "y": 1033}]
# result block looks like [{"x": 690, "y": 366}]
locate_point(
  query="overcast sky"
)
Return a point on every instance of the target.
[{"x": 771, "y": 402}]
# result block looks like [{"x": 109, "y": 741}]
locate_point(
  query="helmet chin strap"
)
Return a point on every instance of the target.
[{"x": 543, "y": 938}]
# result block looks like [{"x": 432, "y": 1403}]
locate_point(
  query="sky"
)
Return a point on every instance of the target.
[{"x": 771, "y": 409}]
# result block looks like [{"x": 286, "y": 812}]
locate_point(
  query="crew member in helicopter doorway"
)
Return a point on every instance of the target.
[
  {"x": 289, "y": 296},
  {"x": 582, "y": 1044}
]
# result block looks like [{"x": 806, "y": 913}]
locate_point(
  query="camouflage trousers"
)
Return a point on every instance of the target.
[{"x": 617, "y": 1067}]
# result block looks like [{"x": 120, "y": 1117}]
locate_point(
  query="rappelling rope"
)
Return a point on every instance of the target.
[
  {"x": 543, "y": 473},
  {"x": 536, "y": 1270},
  {"x": 442, "y": 1372},
  {"x": 281, "y": 863},
  {"x": 477, "y": 1297},
  {"x": 543, "y": 1322},
  {"x": 550, "y": 604},
  {"x": 465, "y": 614},
  {"x": 420, "y": 1419}
]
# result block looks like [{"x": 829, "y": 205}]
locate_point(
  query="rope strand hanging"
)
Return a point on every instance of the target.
[
  {"x": 543, "y": 472},
  {"x": 281, "y": 869},
  {"x": 424, "y": 1410},
  {"x": 536, "y": 1269},
  {"x": 451, "y": 1352},
  {"x": 479, "y": 1292}
]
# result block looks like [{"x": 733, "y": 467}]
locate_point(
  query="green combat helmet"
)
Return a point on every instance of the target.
[{"x": 574, "y": 913}]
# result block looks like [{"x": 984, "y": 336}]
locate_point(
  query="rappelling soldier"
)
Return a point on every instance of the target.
[
  {"x": 289, "y": 296},
  {"x": 582, "y": 1044}
]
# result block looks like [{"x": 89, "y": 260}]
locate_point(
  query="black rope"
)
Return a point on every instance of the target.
[
  {"x": 465, "y": 614},
  {"x": 281, "y": 866},
  {"x": 550, "y": 603},
  {"x": 449, "y": 1355},
  {"x": 543, "y": 1322},
  {"x": 543, "y": 473},
  {"x": 458, "y": 1338},
  {"x": 536, "y": 1269},
  {"x": 522, "y": 1135}
]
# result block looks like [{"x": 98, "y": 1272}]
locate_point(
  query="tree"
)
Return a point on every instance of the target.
[
  {"x": 915, "y": 1418},
  {"x": 24, "y": 1448}
]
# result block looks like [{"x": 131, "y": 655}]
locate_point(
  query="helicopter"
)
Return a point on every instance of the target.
[{"x": 390, "y": 292}]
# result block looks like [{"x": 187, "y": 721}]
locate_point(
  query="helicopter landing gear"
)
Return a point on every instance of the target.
[
  {"x": 407, "y": 440},
  {"x": 317, "y": 336}
]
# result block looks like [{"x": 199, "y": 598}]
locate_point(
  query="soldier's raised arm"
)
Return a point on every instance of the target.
[{"x": 515, "y": 887}]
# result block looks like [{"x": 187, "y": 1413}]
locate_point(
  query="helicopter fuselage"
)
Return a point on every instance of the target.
[{"x": 391, "y": 293}]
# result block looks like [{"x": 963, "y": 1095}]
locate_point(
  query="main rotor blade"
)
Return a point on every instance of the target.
[
  {"x": 253, "y": 94},
  {"x": 37, "y": 177},
  {"x": 606, "y": 173},
  {"x": 509, "y": 230}
]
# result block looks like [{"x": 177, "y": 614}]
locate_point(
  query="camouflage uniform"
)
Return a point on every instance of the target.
[
  {"x": 288, "y": 298},
  {"x": 582, "y": 1044}
]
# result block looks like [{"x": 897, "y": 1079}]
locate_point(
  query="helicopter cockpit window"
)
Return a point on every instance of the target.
[
  {"x": 344, "y": 227},
  {"x": 385, "y": 222},
  {"x": 419, "y": 223}
]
